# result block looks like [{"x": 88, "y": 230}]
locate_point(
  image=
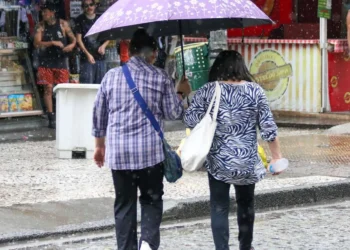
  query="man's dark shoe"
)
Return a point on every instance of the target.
[{"x": 52, "y": 120}]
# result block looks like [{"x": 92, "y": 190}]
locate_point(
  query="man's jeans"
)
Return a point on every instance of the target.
[
  {"x": 220, "y": 203},
  {"x": 150, "y": 183},
  {"x": 92, "y": 73}
]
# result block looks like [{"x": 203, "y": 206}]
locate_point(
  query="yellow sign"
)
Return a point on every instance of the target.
[{"x": 272, "y": 72}]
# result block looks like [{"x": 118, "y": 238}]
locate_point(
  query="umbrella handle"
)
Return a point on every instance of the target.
[
  {"x": 182, "y": 48},
  {"x": 183, "y": 56}
]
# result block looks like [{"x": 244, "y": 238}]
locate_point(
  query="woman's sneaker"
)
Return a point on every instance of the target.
[{"x": 145, "y": 246}]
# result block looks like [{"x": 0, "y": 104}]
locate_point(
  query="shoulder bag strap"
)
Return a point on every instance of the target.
[
  {"x": 216, "y": 98},
  {"x": 143, "y": 105}
]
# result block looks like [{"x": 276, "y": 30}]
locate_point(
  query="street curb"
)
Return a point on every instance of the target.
[
  {"x": 42, "y": 133},
  {"x": 303, "y": 125},
  {"x": 269, "y": 200},
  {"x": 200, "y": 207}
]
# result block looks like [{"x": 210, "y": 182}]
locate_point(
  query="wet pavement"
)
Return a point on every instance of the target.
[
  {"x": 46, "y": 193},
  {"x": 332, "y": 150},
  {"x": 322, "y": 227},
  {"x": 36, "y": 131},
  {"x": 308, "y": 122},
  {"x": 31, "y": 173}
]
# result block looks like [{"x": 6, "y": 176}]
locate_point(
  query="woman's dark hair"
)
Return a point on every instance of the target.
[
  {"x": 141, "y": 41},
  {"x": 229, "y": 65}
]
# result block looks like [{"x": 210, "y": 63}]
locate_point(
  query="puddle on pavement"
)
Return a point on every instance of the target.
[{"x": 331, "y": 149}]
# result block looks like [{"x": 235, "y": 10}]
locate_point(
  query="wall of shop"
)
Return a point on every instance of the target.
[
  {"x": 339, "y": 81},
  {"x": 290, "y": 73}
]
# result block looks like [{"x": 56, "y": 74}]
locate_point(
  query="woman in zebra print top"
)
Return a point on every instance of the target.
[{"x": 233, "y": 158}]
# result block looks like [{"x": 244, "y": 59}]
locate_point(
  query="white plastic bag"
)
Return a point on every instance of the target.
[{"x": 197, "y": 145}]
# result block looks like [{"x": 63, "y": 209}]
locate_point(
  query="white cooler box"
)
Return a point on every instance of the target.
[{"x": 74, "y": 108}]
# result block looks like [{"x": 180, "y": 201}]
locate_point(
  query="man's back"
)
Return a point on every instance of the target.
[{"x": 133, "y": 139}]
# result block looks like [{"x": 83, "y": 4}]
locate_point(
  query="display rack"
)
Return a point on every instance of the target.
[{"x": 18, "y": 92}]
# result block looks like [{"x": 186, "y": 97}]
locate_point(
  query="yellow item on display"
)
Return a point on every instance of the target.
[{"x": 4, "y": 104}]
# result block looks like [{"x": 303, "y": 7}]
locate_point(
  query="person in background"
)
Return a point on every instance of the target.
[
  {"x": 162, "y": 55},
  {"x": 51, "y": 39},
  {"x": 123, "y": 51},
  {"x": 233, "y": 157},
  {"x": 92, "y": 60},
  {"x": 134, "y": 149}
]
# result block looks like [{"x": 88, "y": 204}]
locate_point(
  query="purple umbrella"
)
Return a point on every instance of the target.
[{"x": 172, "y": 17}]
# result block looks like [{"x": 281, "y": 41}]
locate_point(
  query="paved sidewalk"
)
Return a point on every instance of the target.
[
  {"x": 42, "y": 195},
  {"x": 31, "y": 173},
  {"x": 42, "y": 133}
]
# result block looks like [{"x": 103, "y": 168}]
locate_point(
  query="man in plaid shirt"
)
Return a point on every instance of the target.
[{"x": 133, "y": 148}]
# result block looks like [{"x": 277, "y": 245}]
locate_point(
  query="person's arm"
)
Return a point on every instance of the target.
[
  {"x": 274, "y": 147},
  {"x": 69, "y": 33},
  {"x": 38, "y": 43},
  {"x": 82, "y": 47},
  {"x": 100, "y": 110},
  {"x": 102, "y": 48},
  {"x": 267, "y": 125},
  {"x": 172, "y": 102},
  {"x": 196, "y": 111},
  {"x": 100, "y": 122},
  {"x": 100, "y": 151}
]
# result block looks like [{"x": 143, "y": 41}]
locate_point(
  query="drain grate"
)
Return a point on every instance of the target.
[{"x": 79, "y": 153}]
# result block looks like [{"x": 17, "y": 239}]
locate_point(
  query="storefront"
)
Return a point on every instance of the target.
[
  {"x": 18, "y": 93},
  {"x": 286, "y": 58}
]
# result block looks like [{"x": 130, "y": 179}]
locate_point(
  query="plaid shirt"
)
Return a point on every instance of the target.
[{"x": 131, "y": 141}]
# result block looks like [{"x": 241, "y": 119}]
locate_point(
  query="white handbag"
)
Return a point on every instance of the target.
[{"x": 197, "y": 145}]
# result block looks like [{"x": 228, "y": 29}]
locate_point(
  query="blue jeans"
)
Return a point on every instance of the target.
[
  {"x": 220, "y": 204},
  {"x": 92, "y": 73}
]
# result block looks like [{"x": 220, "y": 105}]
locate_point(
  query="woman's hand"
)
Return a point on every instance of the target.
[
  {"x": 274, "y": 160},
  {"x": 91, "y": 59}
]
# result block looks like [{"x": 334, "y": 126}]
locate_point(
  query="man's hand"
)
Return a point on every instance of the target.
[
  {"x": 184, "y": 86},
  {"x": 58, "y": 44},
  {"x": 99, "y": 156},
  {"x": 91, "y": 59},
  {"x": 102, "y": 50},
  {"x": 68, "y": 48}
]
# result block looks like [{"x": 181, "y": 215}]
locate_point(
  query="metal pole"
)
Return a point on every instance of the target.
[
  {"x": 182, "y": 48},
  {"x": 324, "y": 63},
  {"x": 183, "y": 57},
  {"x": 18, "y": 20}
]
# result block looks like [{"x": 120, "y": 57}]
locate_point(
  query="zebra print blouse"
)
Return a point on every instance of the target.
[{"x": 233, "y": 157}]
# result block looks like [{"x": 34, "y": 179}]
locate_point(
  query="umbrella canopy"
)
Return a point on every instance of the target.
[{"x": 173, "y": 17}]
